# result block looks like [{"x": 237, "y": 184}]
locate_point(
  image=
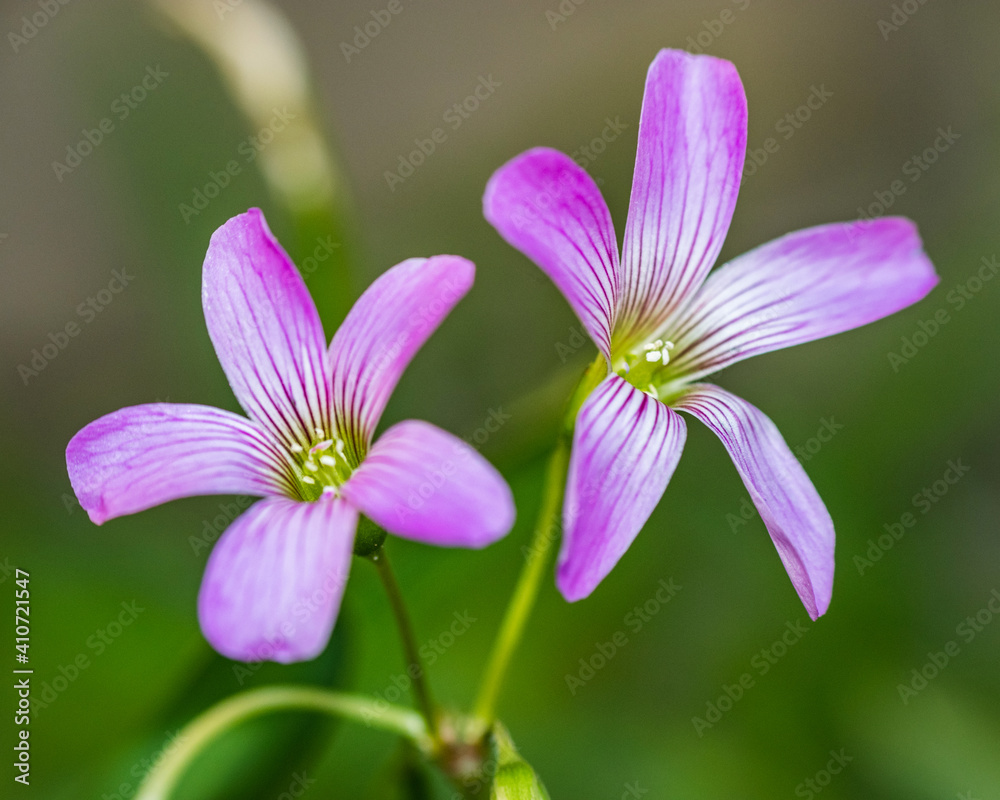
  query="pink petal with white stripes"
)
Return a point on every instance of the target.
[
  {"x": 265, "y": 328},
  {"x": 274, "y": 581},
  {"x": 626, "y": 446},
  {"x": 692, "y": 143},
  {"x": 138, "y": 457},
  {"x": 550, "y": 209},
  {"x": 803, "y": 286},
  {"x": 422, "y": 483},
  {"x": 789, "y": 505},
  {"x": 382, "y": 333}
]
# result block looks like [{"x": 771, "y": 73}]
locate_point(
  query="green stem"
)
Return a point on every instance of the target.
[
  {"x": 522, "y": 601},
  {"x": 197, "y": 734},
  {"x": 414, "y": 665}
]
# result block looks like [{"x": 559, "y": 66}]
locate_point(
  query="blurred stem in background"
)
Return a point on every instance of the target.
[
  {"x": 263, "y": 64},
  {"x": 194, "y": 738}
]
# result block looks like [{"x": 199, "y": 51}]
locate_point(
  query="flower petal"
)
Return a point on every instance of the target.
[
  {"x": 265, "y": 328},
  {"x": 422, "y": 483},
  {"x": 381, "y": 334},
  {"x": 625, "y": 448},
  {"x": 274, "y": 581},
  {"x": 793, "y": 512},
  {"x": 692, "y": 143},
  {"x": 141, "y": 456},
  {"x": 550, "y": 209},
  {"x": 803, "y": 286}
]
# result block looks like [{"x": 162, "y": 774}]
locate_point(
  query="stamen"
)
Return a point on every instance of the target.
[
  {"x": 657, "y": 351},
  {"x": 317, "y": 465}
]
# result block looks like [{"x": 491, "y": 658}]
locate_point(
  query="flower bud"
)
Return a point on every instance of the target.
[
  {"x": 514, "y": 779},
  {"x": 369, "y": 538}
]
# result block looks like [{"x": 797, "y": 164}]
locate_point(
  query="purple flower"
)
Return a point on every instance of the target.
[
  {"x": 273, "y": 584},
  {"x": 663, "y": 323}
]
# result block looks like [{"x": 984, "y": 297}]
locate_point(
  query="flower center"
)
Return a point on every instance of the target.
[
  {"x": 646, "y": 369},
  {"x": 322, "y": 467}
]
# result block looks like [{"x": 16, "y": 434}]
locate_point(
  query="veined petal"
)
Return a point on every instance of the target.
[
  {"x": 265, "y": 328},
  {"x": 422, "y": 483},
  {"x": 274, "y": 581},
  {"x": 803, "y": 286},
  {"x": 381, "y": 334},
  {"x": 692, "y": 143},
  {"x": 626, "y": 446},
  {"x": 549, "y": 208},
  {"x": 793, "y": 512},
  {"x": 138, "y": 457}
]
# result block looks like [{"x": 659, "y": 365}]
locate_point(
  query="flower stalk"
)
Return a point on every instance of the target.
[
  {"x": 414, "y": 664},
  {"x": 522, "y": 601},
  {"x": 167, "y": 772}
]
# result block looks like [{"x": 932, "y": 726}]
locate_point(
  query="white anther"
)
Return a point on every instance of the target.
[
  {"x": 654, "y": 355},
  {"x": 311, "y": 466},
  {"x": 307, "y": 479},
  {"x": 329, "y": 461},
  {"x": 320, "y": 431},
  {"x": 295, "y": 447}
]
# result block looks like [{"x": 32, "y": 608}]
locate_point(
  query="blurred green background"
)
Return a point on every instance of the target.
[{"x": 558, "y": 78}]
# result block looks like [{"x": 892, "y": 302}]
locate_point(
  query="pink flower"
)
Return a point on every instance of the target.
[
  {"x": 663, "y": 323},
  {"x": 274, "y": 582}
]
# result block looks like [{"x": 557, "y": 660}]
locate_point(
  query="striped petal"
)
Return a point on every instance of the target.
[
  {"x": 692, "y": 143},
  {"x": 141, "y": 456},
  {"x": 803, "y": 286},
  {"x": 626, "y": 446},
  {"x": 789, "y": 505},
  {"x": 382, "y": 333},
  {"x": 422, "y": 483},
  {"x": 273, "y": 584},
  {"x": 265, "y": 328},
  {"x": 551, "y": 210}
]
